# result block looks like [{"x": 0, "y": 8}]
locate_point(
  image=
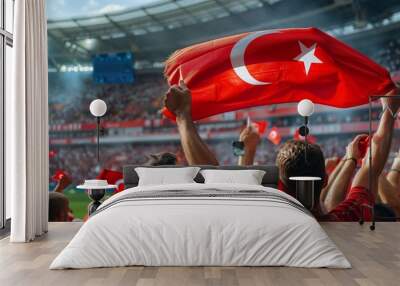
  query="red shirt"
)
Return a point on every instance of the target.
[{"x": 357, "y": 204}]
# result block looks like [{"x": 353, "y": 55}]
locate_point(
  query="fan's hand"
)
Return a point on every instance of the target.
[
  {"x": 250, "y": 137},
  {"x": 393, "y": 104},
  {"x": 178, "y": 100}
]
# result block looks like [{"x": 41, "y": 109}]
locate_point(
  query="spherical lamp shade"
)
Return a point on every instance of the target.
[
  {"x": 98, "y": 108},
  {"x": 305, "y": 107}
]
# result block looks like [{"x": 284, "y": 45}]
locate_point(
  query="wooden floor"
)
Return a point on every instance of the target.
[{"x": 375, "y": 257}]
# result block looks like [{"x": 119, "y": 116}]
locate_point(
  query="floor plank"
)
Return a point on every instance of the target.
[{"x": 375, "y": 257}]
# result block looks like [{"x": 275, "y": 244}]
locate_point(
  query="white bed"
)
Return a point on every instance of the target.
[{"x": 268, "y": 228}]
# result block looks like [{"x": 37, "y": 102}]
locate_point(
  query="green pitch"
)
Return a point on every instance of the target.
[{"x": 79, "y": 201}]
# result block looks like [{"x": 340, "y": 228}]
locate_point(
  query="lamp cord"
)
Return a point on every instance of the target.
[
  {"x": 98, "y": 141},
  {"x": 305, "y": 137}
]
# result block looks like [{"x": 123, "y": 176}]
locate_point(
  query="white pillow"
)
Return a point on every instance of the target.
[
  {"x": 163, "y": 176},
  {"x": 247, "y": 177}
]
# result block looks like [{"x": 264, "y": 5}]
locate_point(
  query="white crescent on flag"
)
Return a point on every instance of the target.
[{"x": 237, "y": 57}]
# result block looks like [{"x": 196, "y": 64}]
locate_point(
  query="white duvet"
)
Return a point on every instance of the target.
[{"x": 200, "y": 231}]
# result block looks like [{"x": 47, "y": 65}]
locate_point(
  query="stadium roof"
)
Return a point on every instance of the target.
[{"x": 155, "y": 31}]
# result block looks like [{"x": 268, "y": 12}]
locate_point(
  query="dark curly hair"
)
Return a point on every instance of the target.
[
  {"x": 159, "y": 159},
  {"x": 291, "y": 162},
  {"x": 58, "y": 207}
]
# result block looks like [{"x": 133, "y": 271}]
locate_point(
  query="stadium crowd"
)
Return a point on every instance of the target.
[
  {"x": 124, "y": 101},
  {"x": 389, "y": 55},
  {"x": 80, "y": 161},
  {"x": 327, "y": 118},
  {"x": 69, "y": 104}
]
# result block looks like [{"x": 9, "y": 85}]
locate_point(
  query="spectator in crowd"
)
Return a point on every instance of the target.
[
  {"x": 159, "y": 159},
  {"x": 80, "y": 161},
  {"x": 63, "y": 182},
  {"x": 58, "y": 203},
  {"x": 336, "y": 189},
  {"x": 58, "y": 207},
  {"x": 291, "y": 157},
  {"x": 339, "y": 184}
]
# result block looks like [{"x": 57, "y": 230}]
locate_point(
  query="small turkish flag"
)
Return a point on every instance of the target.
[
  {"x": 261, "y": 126},
  {"x": 274, "y": 66},
  {"x": 59, "y": 175},
  {"x": 274, "y": 136},
  {"x": 113, "y": 177}
]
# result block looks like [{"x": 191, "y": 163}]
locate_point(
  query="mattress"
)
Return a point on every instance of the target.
[{"x": 201, "y": 225}]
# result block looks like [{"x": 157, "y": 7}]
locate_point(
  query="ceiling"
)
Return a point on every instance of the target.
[{"x": 153, "y": 32}]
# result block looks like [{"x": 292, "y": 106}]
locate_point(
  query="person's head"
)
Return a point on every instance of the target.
[
  {"x": 292, "y": 162},
  {"x": 58, "y": 207},
  {"x": 159, "y": 159}
]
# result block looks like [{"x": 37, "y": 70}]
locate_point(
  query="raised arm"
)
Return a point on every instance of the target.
[
  {"x": 179, "y": 101},
  {"x": 331, "y": 163},
  {"x": 394, "y": 173},
  {"x": 64, "y": 182},
  {"x": 250, "y": 137},
  {"x": 331, "y": 180},
  {"x": 389, "y": 186},
  {"x": 380, "y": 145},
  {"x": 339, "y": 181}
]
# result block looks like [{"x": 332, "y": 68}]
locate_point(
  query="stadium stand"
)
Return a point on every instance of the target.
[
  {"x": 79, "y": 161},
  {"x": 389, "y": 56},
  {"x": 125, "y": 101}
]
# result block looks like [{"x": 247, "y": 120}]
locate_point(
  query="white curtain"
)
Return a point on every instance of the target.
[{"x": 27, "y": 124}]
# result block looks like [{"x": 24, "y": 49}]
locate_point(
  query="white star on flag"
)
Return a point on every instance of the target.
[{"x": 307, "y": 56}]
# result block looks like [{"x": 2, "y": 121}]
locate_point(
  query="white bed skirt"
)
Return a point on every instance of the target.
[{"x": 200, "y": 232}]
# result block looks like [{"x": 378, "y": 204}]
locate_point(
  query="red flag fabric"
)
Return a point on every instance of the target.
[
  {"x": 113, "y": 177},
  {"x": 261, "y": 126},
  {"x": 331, "y": 165},
  {"x": 297, "y": 135},
  {"x": 310, "y": 138},
  {"x": 363, "y": 146},
  {"x": 274, "y": 136},
  {"x": 274, "y": 66},
  {"x": 59, "y": 174}
]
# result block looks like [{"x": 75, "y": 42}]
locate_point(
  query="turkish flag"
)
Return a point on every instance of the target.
[
  {"x": 274, "y": 136},
  {"x": 59, "y": 175},
  {"x": 260, "y": 126},
  {"x": 113, "y": 178},
  {"x": 274, "y": 66}
]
